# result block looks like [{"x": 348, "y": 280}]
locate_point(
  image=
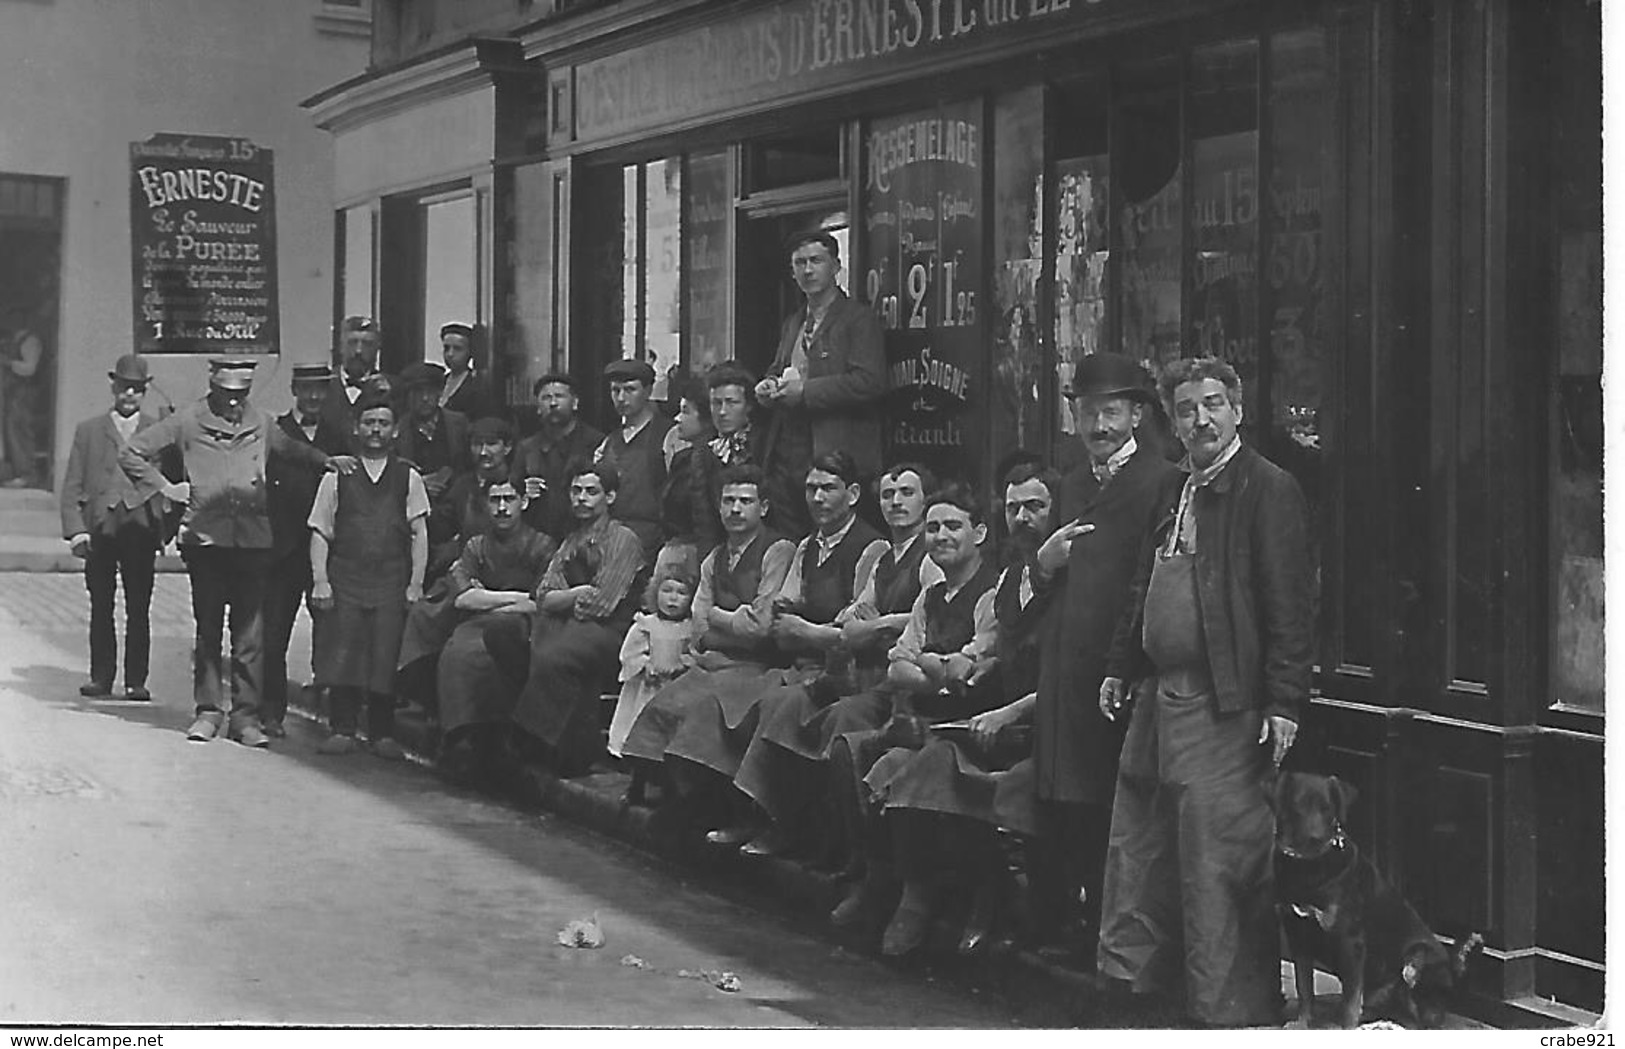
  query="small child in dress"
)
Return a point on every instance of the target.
[{"x": 656, "y": 649}]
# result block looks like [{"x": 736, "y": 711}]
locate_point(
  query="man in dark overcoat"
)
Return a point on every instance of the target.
[{"x": 1107, "y": 505}]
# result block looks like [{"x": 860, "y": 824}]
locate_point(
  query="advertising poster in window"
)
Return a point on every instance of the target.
[
  {"x": 922, "y": 198},
  {"x": 203, "y": 245}
]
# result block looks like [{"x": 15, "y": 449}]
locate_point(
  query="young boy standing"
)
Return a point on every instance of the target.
[{"x": 368, "y": 551}]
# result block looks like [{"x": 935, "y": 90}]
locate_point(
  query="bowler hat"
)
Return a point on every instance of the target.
[
  {"x": 630, "y": 369},
  {"x": 1109, "y": 375},
  {"x": 423, "y": 373},
  {"x": 130, "y": 368},
  {"x": 231, "y": 373}
]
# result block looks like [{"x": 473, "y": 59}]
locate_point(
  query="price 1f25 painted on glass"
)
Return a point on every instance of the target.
[{"x": 932, "y": 294}]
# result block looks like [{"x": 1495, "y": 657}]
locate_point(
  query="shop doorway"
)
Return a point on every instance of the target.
[
  {"x": 30, "y": 286},
  {"x": 767, "y": 292}
]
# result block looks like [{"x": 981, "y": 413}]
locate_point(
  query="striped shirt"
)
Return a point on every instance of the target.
[{"x": 611, "y": 551}]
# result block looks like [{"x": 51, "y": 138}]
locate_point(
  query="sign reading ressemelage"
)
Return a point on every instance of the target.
[{"x": 203, "y": 245}]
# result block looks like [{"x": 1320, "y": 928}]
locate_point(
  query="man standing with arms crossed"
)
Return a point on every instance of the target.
[{"x": 1223, "y": 619}]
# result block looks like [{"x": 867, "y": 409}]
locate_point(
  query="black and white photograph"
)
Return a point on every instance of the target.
[{"x": 907, "y": 516}]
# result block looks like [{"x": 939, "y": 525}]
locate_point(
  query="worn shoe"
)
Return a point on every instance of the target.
[
  {"x": 388, "y": 749},
  {"x": 730, "y": 837},
  {"x": 771, "y": 842},
  {"x": 338, "y": 744},
  {"x": 137, "y": 694},
  {"x": 905, "y": 932},
  {"x": 274, "y": 729},
  {"x": 979, "y": 924},
  {"x": 250, "y": 736},
  {"x": 854, "y": 907},
  {"x": 94, "y": 689},
  {"x": 203, "y": 729}
]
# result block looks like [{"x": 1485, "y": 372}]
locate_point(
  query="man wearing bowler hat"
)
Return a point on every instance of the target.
[
  {"x": 117, "y": 527},
  {"x": 292, "y": 489},
  {"x": 1107, "y": 506},
  {"x": 225, "y": 535},
  {"x": 635, "y": 450}
]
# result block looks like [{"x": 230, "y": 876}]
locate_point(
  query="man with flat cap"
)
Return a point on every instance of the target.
[
  {"x": 823, "y": 390},
  {"x": 117, "y": 527},
  {"x": 360, "y": 340},
  {"x": 464, "y": 391},
  {"x": 636, "y": 451},
  {"x": 225, "y": 535},
  {"x": 292, "y": 489},
  {"x": 542, "y": 460},
  {"x": 433, "y": 438}
]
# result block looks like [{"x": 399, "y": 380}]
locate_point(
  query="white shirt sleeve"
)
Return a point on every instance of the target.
[{"x": 326, "y": 505}]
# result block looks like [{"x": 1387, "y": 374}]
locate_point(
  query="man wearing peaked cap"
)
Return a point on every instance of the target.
[
  {"x": 636, "y": 449},
  {"x": 117, "y": 528},
  {"x": 291, "y": 491},
  {"x": 464, "y": 390},
  {"x": 225, "y": 536}
]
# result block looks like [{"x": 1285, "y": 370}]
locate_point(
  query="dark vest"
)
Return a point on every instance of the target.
[
  {"x": 370, "y": 558},
  {"x": 897, "y": 583},
  {"x": 827, "y": 588},
  {"x": 1018, "y": 644},
  {"x": 736, "y": 586},
  {"x": 950, "y": 624},
  {"x": 642, "y": 466}
]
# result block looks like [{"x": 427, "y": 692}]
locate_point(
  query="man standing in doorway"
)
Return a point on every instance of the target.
[
  {"x": 225, "y": 536},
  {"x": 464, "y": 392},
  {"x": 823, "y": 390},
  {"x": 542, "y": 460},
  {"x": 360, "y": 340},
  {"x": 1223, "y": 620}
]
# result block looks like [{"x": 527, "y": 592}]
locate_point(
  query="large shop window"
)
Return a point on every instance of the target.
[
  {"x": 658, "y": 282},
  {"x": 30, "y": 289},
  {"x": 450, "y": 266}
]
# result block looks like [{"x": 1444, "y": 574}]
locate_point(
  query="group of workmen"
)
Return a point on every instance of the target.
[{"x": 817, "y": 654}]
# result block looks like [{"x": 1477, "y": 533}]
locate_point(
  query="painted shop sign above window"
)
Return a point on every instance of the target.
[
  {"x": 793, "y": 47},
  {"x": 203, "y": 245}
]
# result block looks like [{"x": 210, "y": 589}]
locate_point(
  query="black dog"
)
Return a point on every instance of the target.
[{"x": 1337, "y": 909}]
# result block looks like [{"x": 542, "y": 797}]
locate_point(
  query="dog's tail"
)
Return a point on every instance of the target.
[{"x": 1464, "y": 951}]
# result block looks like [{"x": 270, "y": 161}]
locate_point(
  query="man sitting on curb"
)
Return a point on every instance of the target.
[
  {"x": 584, "y": 606},
  {"x": 367, "y": 556},
  {"x": 733, "y": 607}
]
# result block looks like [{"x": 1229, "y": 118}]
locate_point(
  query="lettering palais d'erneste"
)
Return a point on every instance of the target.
[{"x": 772, "y": 53}]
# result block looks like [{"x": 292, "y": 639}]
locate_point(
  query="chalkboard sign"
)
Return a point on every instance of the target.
[
  {"x": 203, "y": 240},
  {"x": 923, "y": 228}
]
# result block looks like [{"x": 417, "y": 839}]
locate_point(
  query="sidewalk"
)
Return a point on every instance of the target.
[{"x": 52, "y": 605}]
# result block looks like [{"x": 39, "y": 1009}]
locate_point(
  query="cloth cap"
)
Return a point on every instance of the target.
[
  {"x": 1109, "y": 375},
  {"x": 457, "y": 328},
  {"x": 313, "y": 373},
  {"x": 490, "y": 427},
  {"x": 130, "y": 368},
  {"x": 625, "y": 370},
  {"x": 231, "y": 373},
  {"x": 423, "y": 373},
  {"x": 562, "y": 378}
]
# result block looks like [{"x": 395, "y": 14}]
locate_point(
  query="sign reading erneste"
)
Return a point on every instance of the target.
[
  {"x": 203, "y": 240},
  {"x": 791, "y": 47}
]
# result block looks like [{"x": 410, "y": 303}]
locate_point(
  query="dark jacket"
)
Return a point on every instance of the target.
[
  {"x": 451, "y": 435},
  {"x": 473, "y": 399},
  {"x": 1075, "y": 748},
  {"x": 339, "y": 411},
  {"x": 845, "y": 380},
  {"x": 292, "y": 484},
  {"x": 534, "y": 457},
  {"x": 1254, "y": 583},
  {"x": 94, "y": 484}
]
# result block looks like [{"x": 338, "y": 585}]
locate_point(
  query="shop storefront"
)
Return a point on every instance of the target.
[{"x": 1386, "y": 213}]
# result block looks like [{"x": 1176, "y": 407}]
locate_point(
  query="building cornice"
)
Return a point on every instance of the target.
[
  {"x": 455, "y": 69},
  {"x": 627, "y": 23}
]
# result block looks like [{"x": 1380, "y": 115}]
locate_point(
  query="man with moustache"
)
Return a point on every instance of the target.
[
  {"x": 733, "y": 613},
  {"x": 464, "y": 392},
  {"x": 225, "y": 535},
  {"x": 117, "y": 529},
  {"x": 584, "y": 605},
  {"x": 542, "y": 460},
  {"x": 975, "y": 781},
  {"x": 823, "y": 389},
  {"x": 462, "y": 512},
  {"x": 1222, "y": 620},
  {"x": 360, "y": 339},
  {"x": 434, "y": 439},
  {"x": 292, "y": 491},
  {"x": 740, "y": 438},
  {"x": 635, "y": 450},
  {"x": 1106, "y": 507}
]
